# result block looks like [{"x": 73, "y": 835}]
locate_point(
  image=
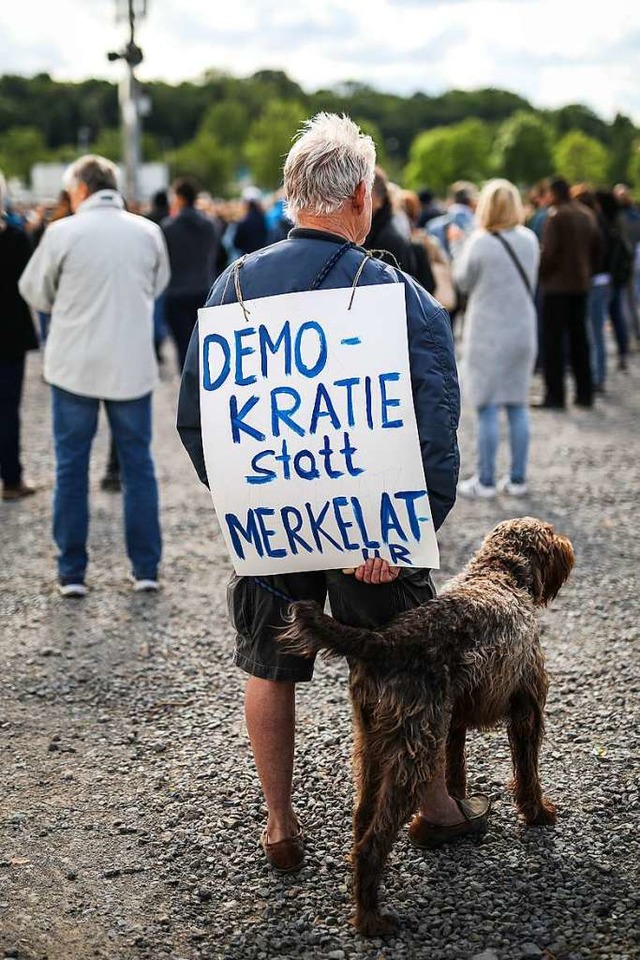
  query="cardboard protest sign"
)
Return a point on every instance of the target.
[{"x": 309, "y": 431}]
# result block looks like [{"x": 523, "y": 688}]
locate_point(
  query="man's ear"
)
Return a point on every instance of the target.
[{"x": 359, "y": 197}]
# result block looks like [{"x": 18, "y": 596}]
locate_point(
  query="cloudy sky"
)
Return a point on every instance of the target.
[{"x": 551, "y": 51}]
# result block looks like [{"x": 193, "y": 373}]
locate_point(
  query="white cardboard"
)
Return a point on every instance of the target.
[{"x": 385, "y": 510}]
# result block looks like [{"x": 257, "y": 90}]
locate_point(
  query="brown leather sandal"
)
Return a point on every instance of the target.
[
  {"x": 475, "y": 811},
  {"x": 285, "y": 856}
]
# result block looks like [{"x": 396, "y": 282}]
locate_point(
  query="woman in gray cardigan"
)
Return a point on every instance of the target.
[{"x": 497, "y": 268}]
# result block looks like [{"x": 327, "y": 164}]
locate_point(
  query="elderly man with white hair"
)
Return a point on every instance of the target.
[
  {"x": 98, "y": 273},
  {"x": 328, "y": 177}
]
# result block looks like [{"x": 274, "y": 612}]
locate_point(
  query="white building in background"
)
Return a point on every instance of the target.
[{"x": 46, "y": 181}]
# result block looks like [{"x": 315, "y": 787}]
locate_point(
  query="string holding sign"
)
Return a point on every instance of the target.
[{"x": 368, "y": 255}]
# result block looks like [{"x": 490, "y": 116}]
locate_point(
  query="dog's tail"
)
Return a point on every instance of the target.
[{"x": 311, "y": 630}]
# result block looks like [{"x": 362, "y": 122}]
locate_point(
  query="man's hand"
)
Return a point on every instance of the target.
[{"x": 374, "y": 571}]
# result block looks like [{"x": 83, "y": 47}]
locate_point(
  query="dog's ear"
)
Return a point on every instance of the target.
[
  {"x": 557, "y": 568},
  {"x": 538, "y": 584}
]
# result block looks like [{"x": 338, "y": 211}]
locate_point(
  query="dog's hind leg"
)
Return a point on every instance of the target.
[
  {"x": 456, "y": 762},
  {"x": 392, "y": 809},
  {"x": 526, "y": 730}
]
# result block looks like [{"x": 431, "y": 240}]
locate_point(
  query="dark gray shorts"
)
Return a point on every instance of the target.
[{"x": 257, "y": 608}]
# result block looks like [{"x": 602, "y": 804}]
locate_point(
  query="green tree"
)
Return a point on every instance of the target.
[
  {"x": 270, "y": 139},
  {"x": 579, "y": 157},
  {"x": 228, "y": 122},
  {"x": 20, "y": 148},
  {"x": 444, "y": 154},
  {"x": 61, "y": 111},
  {"x": 575, "y": 116},
  {"x": 206, "y": 161},
  {"x": 67, "y": 153},
  {"x": 108, "y": 144},
  {"x": 523, "y": 148},
  {"x": 623, "y": 135}
]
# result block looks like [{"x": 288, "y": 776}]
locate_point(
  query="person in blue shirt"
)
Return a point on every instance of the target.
[
  {"x": 328, "y": 178},
  {"x": 459, "y": 213}
]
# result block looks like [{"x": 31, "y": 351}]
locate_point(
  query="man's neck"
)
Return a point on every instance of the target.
[{"x": 329, "y": 224}]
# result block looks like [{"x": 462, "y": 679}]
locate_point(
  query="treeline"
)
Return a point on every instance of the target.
[{"x": 226, "y": 127}]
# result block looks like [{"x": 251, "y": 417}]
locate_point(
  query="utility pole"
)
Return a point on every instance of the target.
[{"x": 129, "y": 95}]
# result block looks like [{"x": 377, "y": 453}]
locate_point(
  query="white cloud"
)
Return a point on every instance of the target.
[{"x": 551, "y": 51}]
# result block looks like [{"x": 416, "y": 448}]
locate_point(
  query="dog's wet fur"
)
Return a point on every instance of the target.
[{"x": 468, "y": 659}]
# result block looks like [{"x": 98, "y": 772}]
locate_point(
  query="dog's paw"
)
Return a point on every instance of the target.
[
  {"x": 544, "y": 815},
  {"x": 375, "y": 924}
]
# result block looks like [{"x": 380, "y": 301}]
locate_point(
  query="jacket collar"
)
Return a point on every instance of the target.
[
  {"x": 306, "y": 233},
  {"x": 102, "y": 199},
  {"x": 187, "y": 213}
]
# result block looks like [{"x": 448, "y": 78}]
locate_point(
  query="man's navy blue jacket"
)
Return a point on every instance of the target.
[{"x": 295, "y": 265}]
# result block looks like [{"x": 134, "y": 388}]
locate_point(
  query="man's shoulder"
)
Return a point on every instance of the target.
[
  {"x": 59, "y": 228},
  {"x": 142, "y": 225},
  {"x": 188, "y": 220},
  {"x": 206, "y": 226}
]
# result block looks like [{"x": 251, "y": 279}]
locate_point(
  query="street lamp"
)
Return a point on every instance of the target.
[{"x": 129, "y": 94}]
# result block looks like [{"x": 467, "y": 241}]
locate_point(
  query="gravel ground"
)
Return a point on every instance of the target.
[{"x": 129, "y": 806}]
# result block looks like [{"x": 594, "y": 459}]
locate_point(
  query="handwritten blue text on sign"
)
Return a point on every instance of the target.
[{"x": 309, "y": 432}]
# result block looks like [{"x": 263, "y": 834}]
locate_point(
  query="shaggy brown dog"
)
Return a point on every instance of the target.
[{"x": 469, "y": 658}]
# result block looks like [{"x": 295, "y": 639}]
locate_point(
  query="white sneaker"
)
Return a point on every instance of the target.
[
  {"x": 72, "y": 589},
  {"x": 473, "y": 489},
  {"x": 145, "y": 586},
  {"x": 513, "y": 489}
]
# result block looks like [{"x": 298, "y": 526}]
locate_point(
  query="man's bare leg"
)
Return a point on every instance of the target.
[
  {"x": 270, "y": 713},
  {"x": 437, "y": 806}
]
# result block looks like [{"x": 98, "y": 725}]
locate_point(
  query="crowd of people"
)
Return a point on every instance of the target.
[
  {"x": 526, "y": 283},
  {"x": 530, "y": 284}
]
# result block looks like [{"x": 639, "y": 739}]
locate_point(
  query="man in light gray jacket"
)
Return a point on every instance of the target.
[{"x": 98, "y": 273}]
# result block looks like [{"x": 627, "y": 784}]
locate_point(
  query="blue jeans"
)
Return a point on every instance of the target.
[
  {"x": 75, "y": 420},
  {"x": 619, "y": 321},
  {"x": 598, "y": 308},
  {"x": 159, "y": 326},
  {"x": 489, "y": 438}
]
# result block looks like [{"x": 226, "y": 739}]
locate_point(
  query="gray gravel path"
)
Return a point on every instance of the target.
[{"x": 129, "y": 807}]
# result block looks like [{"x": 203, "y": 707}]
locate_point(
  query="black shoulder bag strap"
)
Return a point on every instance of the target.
[{"x": 517, "y": 264}]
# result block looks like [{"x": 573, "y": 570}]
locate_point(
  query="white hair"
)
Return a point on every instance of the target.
[
  {"x": 3, "y": 192},
  {"x": 97, "y": 173},
  {"x": 328, "y": 160}
]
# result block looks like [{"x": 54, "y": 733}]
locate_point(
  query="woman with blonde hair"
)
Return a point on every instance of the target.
[{"x": 497, "y": 268}]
